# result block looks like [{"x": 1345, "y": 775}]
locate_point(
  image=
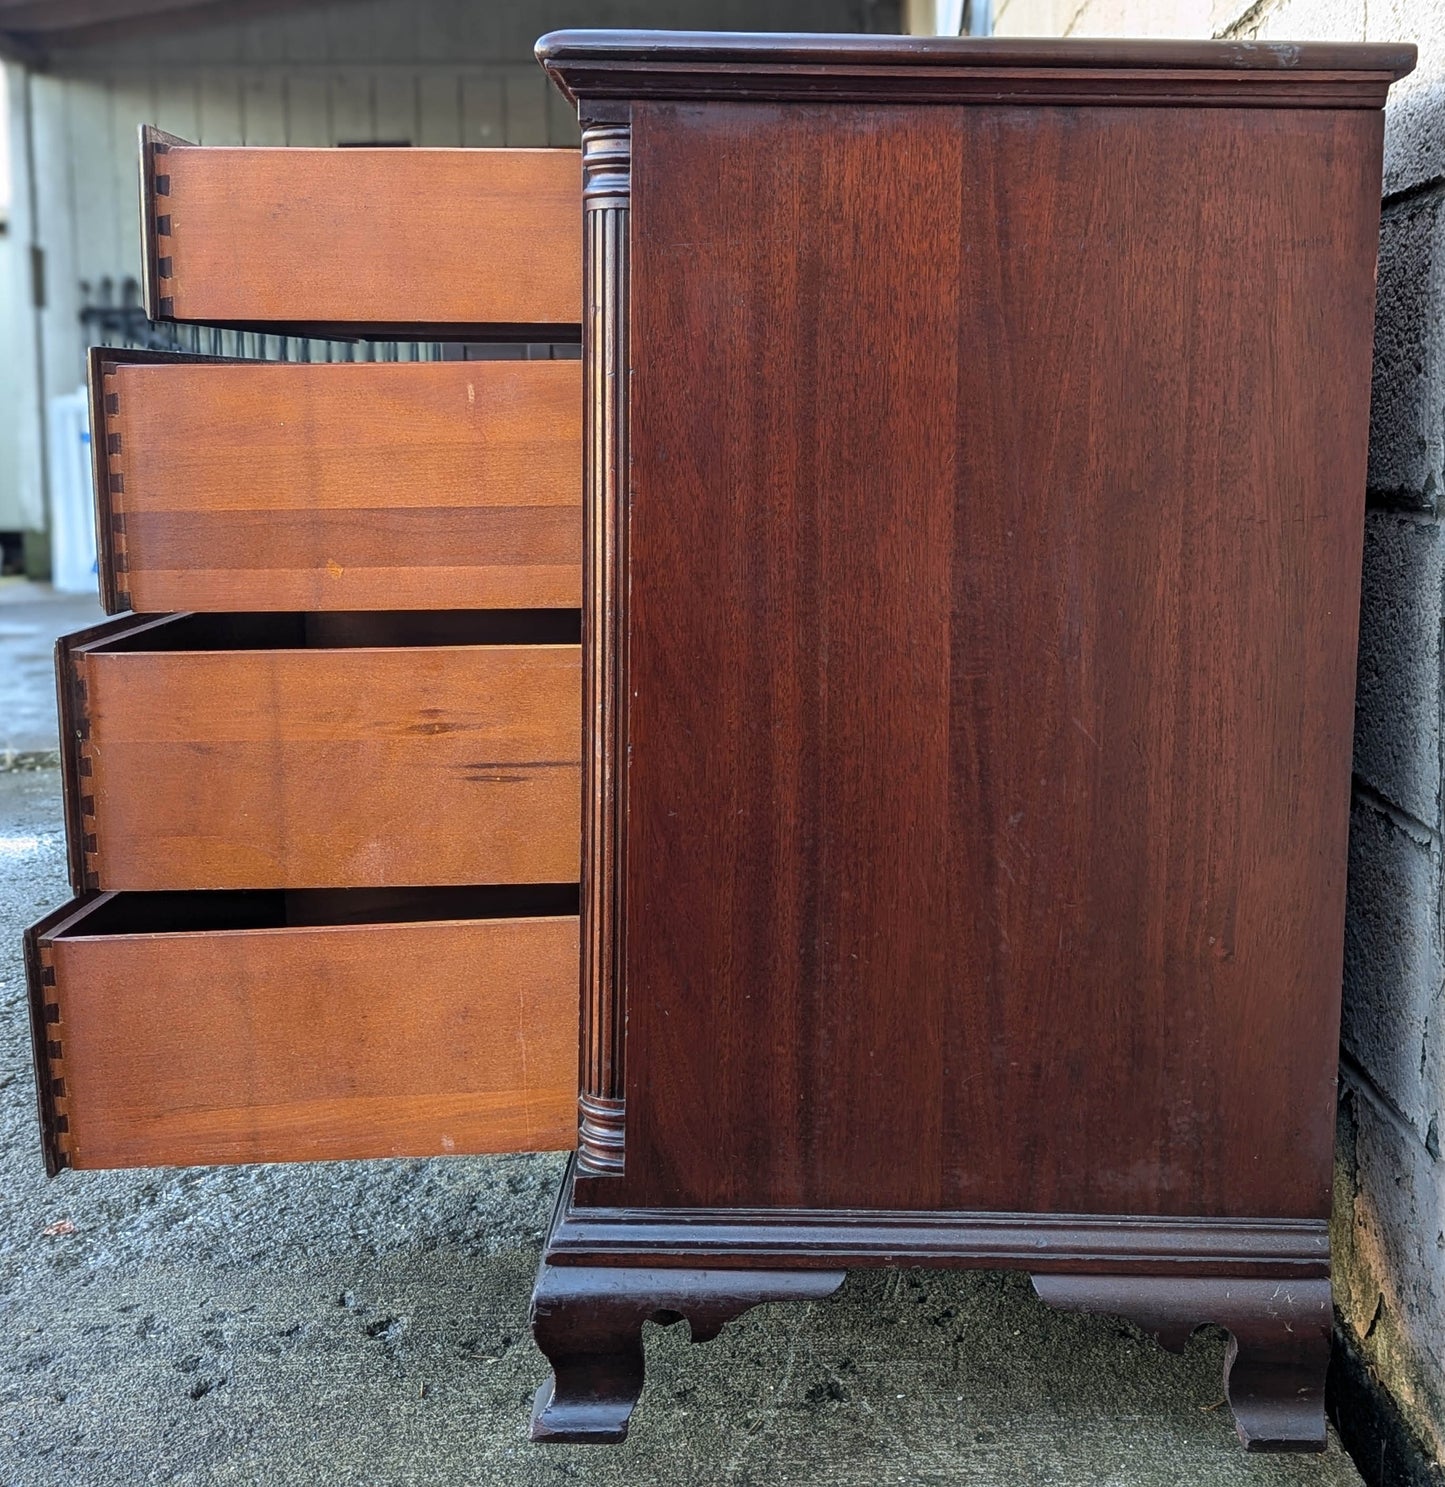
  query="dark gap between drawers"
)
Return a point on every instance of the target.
[
  {"x": 222, "y": 909},
  {"x": 345, "y": 629}
]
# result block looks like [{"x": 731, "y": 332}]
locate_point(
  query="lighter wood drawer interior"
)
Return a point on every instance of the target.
[
  {"x": 325, "y": 751},
  {"x": 256, "y": 486},
  {"x": 258, "y": 1027}
]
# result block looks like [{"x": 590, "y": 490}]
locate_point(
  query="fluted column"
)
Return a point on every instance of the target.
[{"x": 606, "y": 184}]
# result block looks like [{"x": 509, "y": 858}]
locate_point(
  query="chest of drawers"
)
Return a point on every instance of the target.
[
  {"x": 966, "y": 468},
  {"x": 974, "y": 506}
]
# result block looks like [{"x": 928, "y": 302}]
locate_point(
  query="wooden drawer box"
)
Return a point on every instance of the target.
[
  {"x": 173, "y": 1029},
  {"x": 323, "y": 751},
  {"x": 367, "y": 241},
  {"x": 255, "y": 486}
]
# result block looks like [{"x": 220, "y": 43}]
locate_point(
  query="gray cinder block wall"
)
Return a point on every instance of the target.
[{"x": 1389, "y": 1230}]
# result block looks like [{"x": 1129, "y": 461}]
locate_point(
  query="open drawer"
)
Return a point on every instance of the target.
[
  {"x": 481, "y": 244},
  {"x": 226, "y": 485},
  {"x": 323, "y": 751},
  {"x": 177, "y": 1029}
]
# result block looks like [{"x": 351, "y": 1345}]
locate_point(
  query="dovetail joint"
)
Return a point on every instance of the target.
[
  {"x": 114, "y": 447},
  {"x": 55, "y": 1093},
  {"x": 162, "y": 261},
  {"x": 84, "y": 770}
]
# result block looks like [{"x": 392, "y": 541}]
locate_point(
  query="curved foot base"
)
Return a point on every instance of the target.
[
  {"x": 1274, "y": 1371},
  {"x": 580, "y": 1421},
  {"x": 588, "y": 1321}
]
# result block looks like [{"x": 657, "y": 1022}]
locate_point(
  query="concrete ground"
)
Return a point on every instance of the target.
[
  {"x": 364, "y": 1325},
  {"x": 32, "y": 617}
]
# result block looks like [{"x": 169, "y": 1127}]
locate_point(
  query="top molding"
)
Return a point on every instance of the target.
[{"x": 592, "y": 66}]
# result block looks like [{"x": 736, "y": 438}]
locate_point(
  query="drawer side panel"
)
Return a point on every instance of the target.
[
  {"x": 364, "y": 238},
  {"x": 400, "y": 1040},
  {"x": 448, "y": 485},
  {"x": 426, "y": 765}
]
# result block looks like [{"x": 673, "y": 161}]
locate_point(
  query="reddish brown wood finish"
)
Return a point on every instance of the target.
[
  {"x": 365, "y": 240},
  {"x": 1089, "y": 1244},
  {"x": 974, "y": 508},
  {"x": 600, "y": 70},
  {"x": 1279, "y": 1346},
  {"x": 588, "y": 1322},
  {"x": 995, "y": 532},
  {"x": 974, "y": 447},
  {"x": 223, "y": 1028},
  {"x": 605, "y": 187},
  {"x": 248, "y": 486},
  {"x": 335, "y": 751}
]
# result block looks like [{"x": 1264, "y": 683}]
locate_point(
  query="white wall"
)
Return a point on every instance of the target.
[{"x": 21, "y": 504}]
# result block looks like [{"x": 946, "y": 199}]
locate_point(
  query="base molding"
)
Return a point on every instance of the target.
[
  {"x": 606, "y": 1271},
  {"x": 799, "y": 1238}
]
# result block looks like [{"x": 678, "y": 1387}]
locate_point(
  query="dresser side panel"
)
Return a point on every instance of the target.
[{"x": 996, "y": 500}]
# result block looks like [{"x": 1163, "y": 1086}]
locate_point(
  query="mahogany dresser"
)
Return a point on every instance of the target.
[{"x": 963, "y": 489}]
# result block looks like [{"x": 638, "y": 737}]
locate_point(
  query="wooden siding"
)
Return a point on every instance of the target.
[{"x": 430, "y": 72}]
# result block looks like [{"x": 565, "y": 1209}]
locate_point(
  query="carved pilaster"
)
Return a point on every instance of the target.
[{"x": 606, "y": 184}]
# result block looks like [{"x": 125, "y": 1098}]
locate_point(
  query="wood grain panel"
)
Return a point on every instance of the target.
[
  {"x": 366, "y": 239},
  {"x": 282, "y": 1043},
  {"x": 354, "y": 767},
  {"x": 996, "y": 499},
  {"x": 428, "y": 485}
]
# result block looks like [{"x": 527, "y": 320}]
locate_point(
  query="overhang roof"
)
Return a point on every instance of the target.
[{"x": 33, "y": 30}]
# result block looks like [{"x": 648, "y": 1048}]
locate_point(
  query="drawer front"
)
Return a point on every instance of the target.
[
  {"x": 298, "y": 768},
  {"x": 253, "y": 486},
  {"x": 300, "y": 1043},
  {"x": 364, "y": 240}
]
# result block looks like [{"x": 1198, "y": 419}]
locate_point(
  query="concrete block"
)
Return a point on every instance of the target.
[
  {"x": 1393, "y": 1011},
  {"x": 1397, "y": 700},
  {"x": 1415, "y": 119},
  {"x": 1298, "y": 20},
  {"x": 1407, "y": 400},
  {"x": 1389, "y": 1255}
]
